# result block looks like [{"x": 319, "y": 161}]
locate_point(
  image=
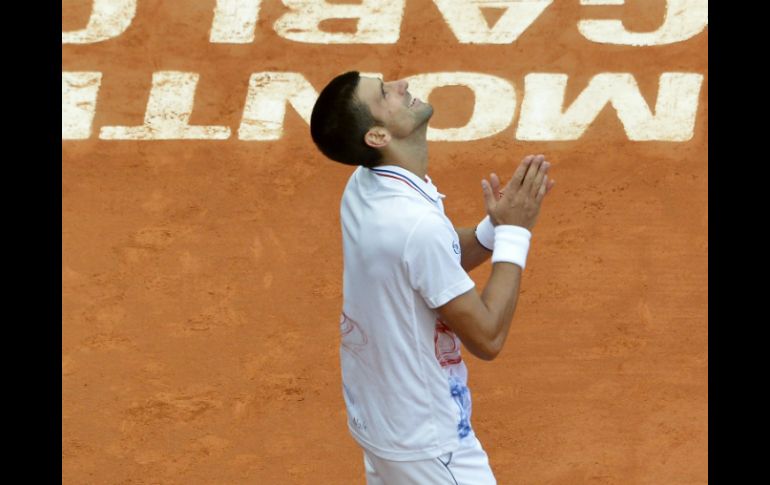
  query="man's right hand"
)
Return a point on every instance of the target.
[{"x": 518, "y": 203}]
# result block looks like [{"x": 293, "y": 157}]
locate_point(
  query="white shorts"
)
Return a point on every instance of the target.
[{"x": 468, "y": 465}]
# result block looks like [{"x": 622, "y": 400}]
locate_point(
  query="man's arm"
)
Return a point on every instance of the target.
[
  {"x": 472, "y": 253},
  {"x": 482, "y": 322}
]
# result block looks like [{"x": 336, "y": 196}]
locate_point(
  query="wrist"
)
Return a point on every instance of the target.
[
  {"x": 511, "y": 245},
  {"x": 485, "y": 233}
]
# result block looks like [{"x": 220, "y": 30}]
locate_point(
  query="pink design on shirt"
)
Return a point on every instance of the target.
[
  {"x": 447, "y": 345},
  {"x": 353, "y": 337}
]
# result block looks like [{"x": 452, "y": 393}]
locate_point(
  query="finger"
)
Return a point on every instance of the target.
[
  {"x": 534, "y": 168},
  {"x": 495, "y": 181},
  {"x": 551, "y": 183},
  {"x": 539, "y": 177},
  {"x": 489, "y": 198},
  {"x": 542, "y": 190},
  {"x": 521, "y": 171}
]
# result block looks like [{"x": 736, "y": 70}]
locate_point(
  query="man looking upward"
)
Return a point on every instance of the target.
[{"x": 408, "y": 301}]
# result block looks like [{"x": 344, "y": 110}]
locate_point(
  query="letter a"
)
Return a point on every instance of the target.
[
  {"x": 468, "y": 24},
  {"x": 378, "y": 22}
]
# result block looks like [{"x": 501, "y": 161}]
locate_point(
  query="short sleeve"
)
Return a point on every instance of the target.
[{"x": 432, "y": 260}]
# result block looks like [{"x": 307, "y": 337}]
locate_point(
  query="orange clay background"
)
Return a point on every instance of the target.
[{"x": 201, "y": 280}]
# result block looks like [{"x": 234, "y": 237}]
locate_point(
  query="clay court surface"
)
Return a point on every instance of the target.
[{"x": 201, "y": 280}]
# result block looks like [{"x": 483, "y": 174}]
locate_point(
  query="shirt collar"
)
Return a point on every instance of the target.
[{"x": 424, "y": 186}]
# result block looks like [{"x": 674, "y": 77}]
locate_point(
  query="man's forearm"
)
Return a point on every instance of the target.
[
  {"x": 472, "y": 252},
  {"x": 500, "y": 296}
]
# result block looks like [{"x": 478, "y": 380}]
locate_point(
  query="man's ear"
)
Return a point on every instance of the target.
[{"x": 377, "y": 137}]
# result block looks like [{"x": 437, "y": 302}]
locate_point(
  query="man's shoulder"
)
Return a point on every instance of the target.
[
  {"x": 366, "y": 184},
  {"x": 352, "y": 177},
  {"x": 428, "y": 222},
  {"x": 388, "y": 207}
]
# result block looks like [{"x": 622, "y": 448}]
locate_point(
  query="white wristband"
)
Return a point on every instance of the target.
[
  {"x": 511, "y": 245},
  {"x": 485, "y": 233}
]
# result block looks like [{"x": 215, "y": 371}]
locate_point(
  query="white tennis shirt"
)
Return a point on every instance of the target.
[{"x": 404, "y": 380}]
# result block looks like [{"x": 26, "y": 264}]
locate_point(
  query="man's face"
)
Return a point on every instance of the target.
[{"x": 393, "y": 105}]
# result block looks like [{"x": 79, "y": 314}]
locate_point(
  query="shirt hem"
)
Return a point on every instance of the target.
[
  {"x": 408, "y": 455},
  {"x": 450, "y": 293}
]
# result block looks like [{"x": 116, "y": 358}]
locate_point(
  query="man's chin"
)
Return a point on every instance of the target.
[{"x": 427, "y": 115}]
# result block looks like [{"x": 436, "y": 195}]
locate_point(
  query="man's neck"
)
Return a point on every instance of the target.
[{"x": 410, "y": 156}]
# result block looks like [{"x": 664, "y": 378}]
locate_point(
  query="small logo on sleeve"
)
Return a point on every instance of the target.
[{"x": 456, "y": 247}]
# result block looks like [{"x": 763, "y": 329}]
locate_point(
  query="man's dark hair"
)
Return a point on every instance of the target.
[{"x": 340, "y": 120}]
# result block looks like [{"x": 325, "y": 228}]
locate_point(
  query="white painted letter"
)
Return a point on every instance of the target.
[
  {"x": 468, "y": 24},
  {"x": 493, "y": 108},
  {"x": 168, "y": 113},
  {"x": 78, "y": 103},
  {"x": 684, "y": 19},
  {"x": 674, "y": 120},
  {"x": 265, "y": 106},
  {"x": 234, "y": 21},
  {"x": 109, "y": 18},
  {"x": 378, "y": 22}
]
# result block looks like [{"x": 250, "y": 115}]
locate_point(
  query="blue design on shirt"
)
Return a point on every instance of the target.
[{"x": 462, "y": 397}]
